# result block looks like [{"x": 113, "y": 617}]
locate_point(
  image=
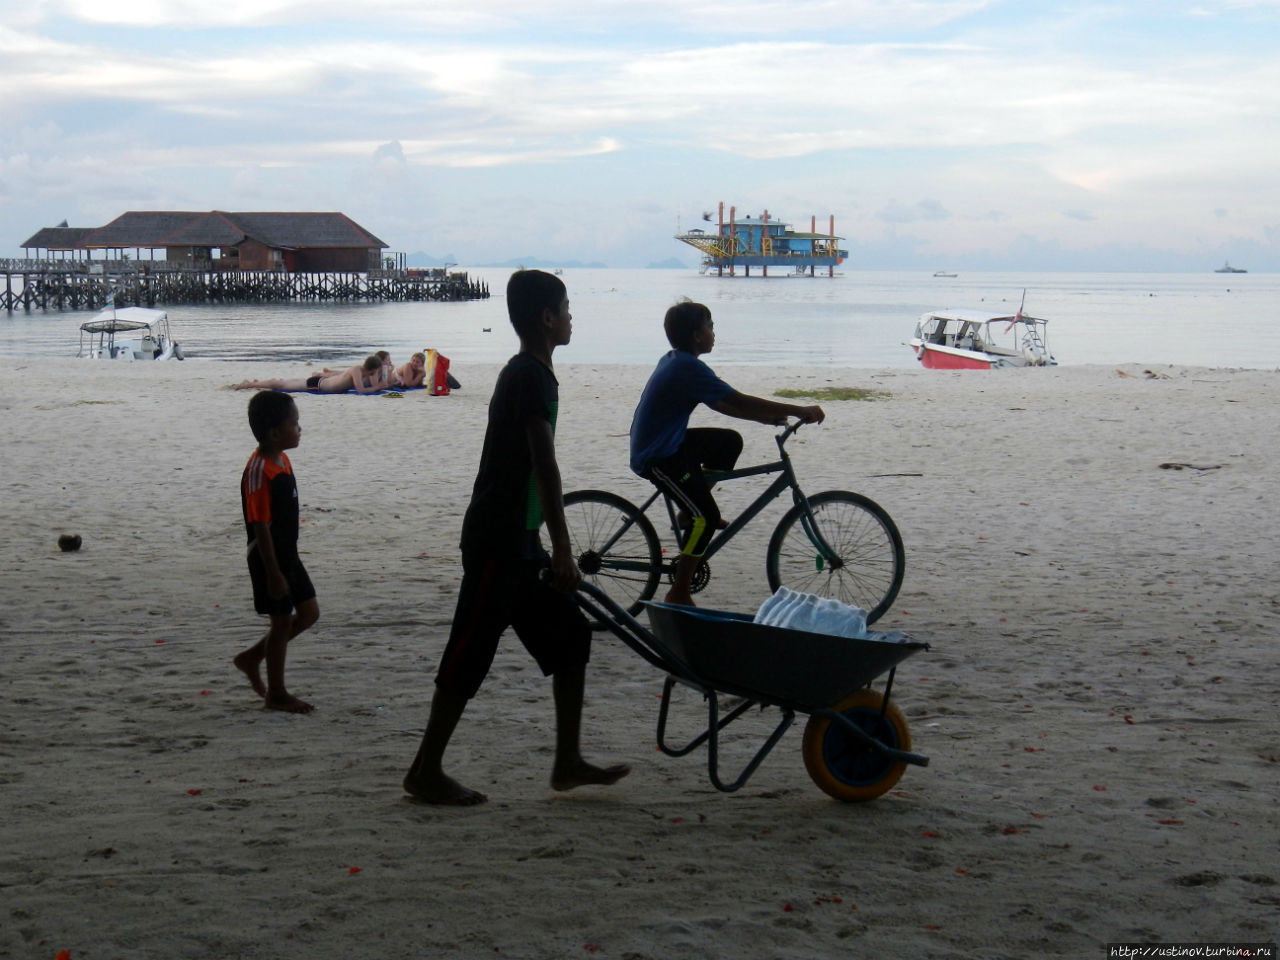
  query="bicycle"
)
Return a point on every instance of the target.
[{"x": 836, "y": 543}]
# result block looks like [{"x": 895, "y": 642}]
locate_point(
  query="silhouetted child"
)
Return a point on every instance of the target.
[
  {"x": 517, "y": 486},
  {"x": 670, "y": 455},
  {"x": 282, "y": 590}
]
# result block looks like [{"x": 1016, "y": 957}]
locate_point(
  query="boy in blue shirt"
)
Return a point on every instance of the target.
[
  {"x": 517, "y": 486},
  {"x": 670, "y": 455}
]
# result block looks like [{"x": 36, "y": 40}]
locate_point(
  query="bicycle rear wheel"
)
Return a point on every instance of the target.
[
  {"x": 615, "y": 546},
  {"x": 869, "y": 558}
]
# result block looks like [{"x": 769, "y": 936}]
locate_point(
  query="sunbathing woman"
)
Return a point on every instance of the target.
[
  {"x": 412, "y": 374},
  {"x": 363, "y": 378}
]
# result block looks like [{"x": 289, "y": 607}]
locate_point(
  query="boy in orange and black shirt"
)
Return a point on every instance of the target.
[{"x": 282, "y": 590}]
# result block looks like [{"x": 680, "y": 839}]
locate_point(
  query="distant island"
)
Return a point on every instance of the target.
[
  {"x": 536, "y": 263},
  {"x": 420, "y": 260}
]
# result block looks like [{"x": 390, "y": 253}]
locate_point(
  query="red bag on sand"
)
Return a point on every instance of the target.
[{"x": 437, "y": 374}]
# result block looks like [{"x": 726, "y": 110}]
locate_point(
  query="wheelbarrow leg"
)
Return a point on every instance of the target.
[
  {"x": 711, "y": 736},
  {"x": 713, "y": 727}
]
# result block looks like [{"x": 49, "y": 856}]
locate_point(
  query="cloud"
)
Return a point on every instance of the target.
[
  {"x": 392, "y": 152},
  {"x": 772, "y": 17},
  {"x": 1035, "y": 119},
  {"x": 921, "y": 210}
]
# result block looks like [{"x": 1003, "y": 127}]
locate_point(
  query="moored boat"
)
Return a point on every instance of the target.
[
  {"x": 147, "y": 336},
  {"x": 973, "y": 340}
]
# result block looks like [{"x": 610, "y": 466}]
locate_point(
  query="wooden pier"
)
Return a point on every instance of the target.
[{"x": 86, "y": 285}]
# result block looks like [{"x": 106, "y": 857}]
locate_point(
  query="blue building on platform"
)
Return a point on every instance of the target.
[{"x": 763, "y": 242}]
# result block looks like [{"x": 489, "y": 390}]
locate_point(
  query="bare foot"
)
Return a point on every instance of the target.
[
  {"x": 682, "y": 599},
  {"x": 248, "y": 665},
  {"x": 583, "y": 774},
  {"x": 442, "y": 790},
  {"x": 287, "y": 702}
]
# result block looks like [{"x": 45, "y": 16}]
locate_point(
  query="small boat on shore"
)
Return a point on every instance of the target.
[
  {"x": 1228, "y": 268},
  {"x": 971, "y": 340},
  {"x": 148, "y": 336}
]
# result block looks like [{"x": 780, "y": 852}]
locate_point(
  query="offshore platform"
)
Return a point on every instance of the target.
[{"x": 764, "y": 243}]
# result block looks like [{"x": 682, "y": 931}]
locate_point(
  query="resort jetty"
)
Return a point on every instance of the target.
[
  {"x": 218, "y": 257},
  {"x": 764, "y": 243}
]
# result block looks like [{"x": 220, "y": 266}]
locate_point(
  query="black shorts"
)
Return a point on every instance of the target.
[
  {"x": 314, "y": 382},
  {"x": 295, "y": 574},
  {"x": 681, "y": 477},
  {"x": 500, "y": 592}
]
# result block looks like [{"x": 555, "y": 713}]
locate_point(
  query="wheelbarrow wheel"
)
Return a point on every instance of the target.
[
  {"x": 840, "y": 763},
  {"x": 869, "y": 560},
  {"x": 615, "y": 546}
]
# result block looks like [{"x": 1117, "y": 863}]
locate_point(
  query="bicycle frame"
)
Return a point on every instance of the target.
[{"x": 786, "y": 479}]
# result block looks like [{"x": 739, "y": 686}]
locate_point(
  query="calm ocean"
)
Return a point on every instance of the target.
[{"x": 859, "y": 319}]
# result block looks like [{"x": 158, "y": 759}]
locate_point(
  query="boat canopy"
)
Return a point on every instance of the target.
[
  {"x": 977, "y": 316},
  {"x": 113, "y": 326},
  {"x": 126, "y": 318}
]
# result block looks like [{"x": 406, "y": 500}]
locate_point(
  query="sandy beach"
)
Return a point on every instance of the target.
[{"x": 1091, "y": 554}]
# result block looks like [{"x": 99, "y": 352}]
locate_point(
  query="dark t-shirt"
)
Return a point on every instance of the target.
[
  {"x": 269, "y": 494},
  {"x": 505, "y": 512}
]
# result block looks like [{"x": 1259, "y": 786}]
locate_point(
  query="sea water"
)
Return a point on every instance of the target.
[{"x": 857, "y": 319}]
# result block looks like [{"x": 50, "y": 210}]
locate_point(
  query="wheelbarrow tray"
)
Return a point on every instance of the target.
[
  {"x": 718, "y": 652},
  {"x": 803, "y": 671}
]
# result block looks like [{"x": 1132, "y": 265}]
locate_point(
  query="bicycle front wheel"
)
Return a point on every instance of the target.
[
  {"x": 867, "y": 559},
  {"x": 615, "y": 546}
]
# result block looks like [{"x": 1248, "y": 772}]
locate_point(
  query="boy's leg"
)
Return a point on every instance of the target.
[
  {"x": 303, "y": 617},
  {"x": 478, "y": 621},
  {"x": 682, "y": 479},
  {"x": 553, "y": 629},
  {"x": 570, "y": 770},
  {"x": 277, "y": 646},
  {"x": 681, "y": 591},
  {"x": 713, "y": 448},
  {"x": 426, "y": 779}
]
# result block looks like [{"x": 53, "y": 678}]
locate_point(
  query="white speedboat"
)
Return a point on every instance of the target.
[
  {"x": 972, "y": 340},
  {"x": 146, "y": 336}
]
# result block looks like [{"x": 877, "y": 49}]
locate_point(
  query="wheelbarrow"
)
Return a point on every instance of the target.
[{"x": 856, "y": 742}]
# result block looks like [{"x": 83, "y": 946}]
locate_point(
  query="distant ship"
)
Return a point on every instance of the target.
[
  {"x": 738, "y": 245},
  {"x": 1228, "y": 268}
]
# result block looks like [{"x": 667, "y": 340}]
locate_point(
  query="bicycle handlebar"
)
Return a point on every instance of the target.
[{"x": 791, "y": 428}]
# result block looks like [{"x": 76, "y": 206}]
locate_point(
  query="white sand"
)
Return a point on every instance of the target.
[{"x": 1099, "y": 703}]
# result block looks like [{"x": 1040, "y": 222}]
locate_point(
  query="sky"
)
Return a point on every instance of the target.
[{"x": 941, "y": 134}]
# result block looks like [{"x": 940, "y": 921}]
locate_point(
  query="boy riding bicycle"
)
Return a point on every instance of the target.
[{"x": 670, "y": 455}]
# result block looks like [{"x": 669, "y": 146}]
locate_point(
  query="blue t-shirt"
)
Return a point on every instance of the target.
[{"x": 678, "y": 384}]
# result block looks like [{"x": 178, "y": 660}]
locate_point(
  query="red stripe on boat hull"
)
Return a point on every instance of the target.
[{"x": 935, "y": 360}]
